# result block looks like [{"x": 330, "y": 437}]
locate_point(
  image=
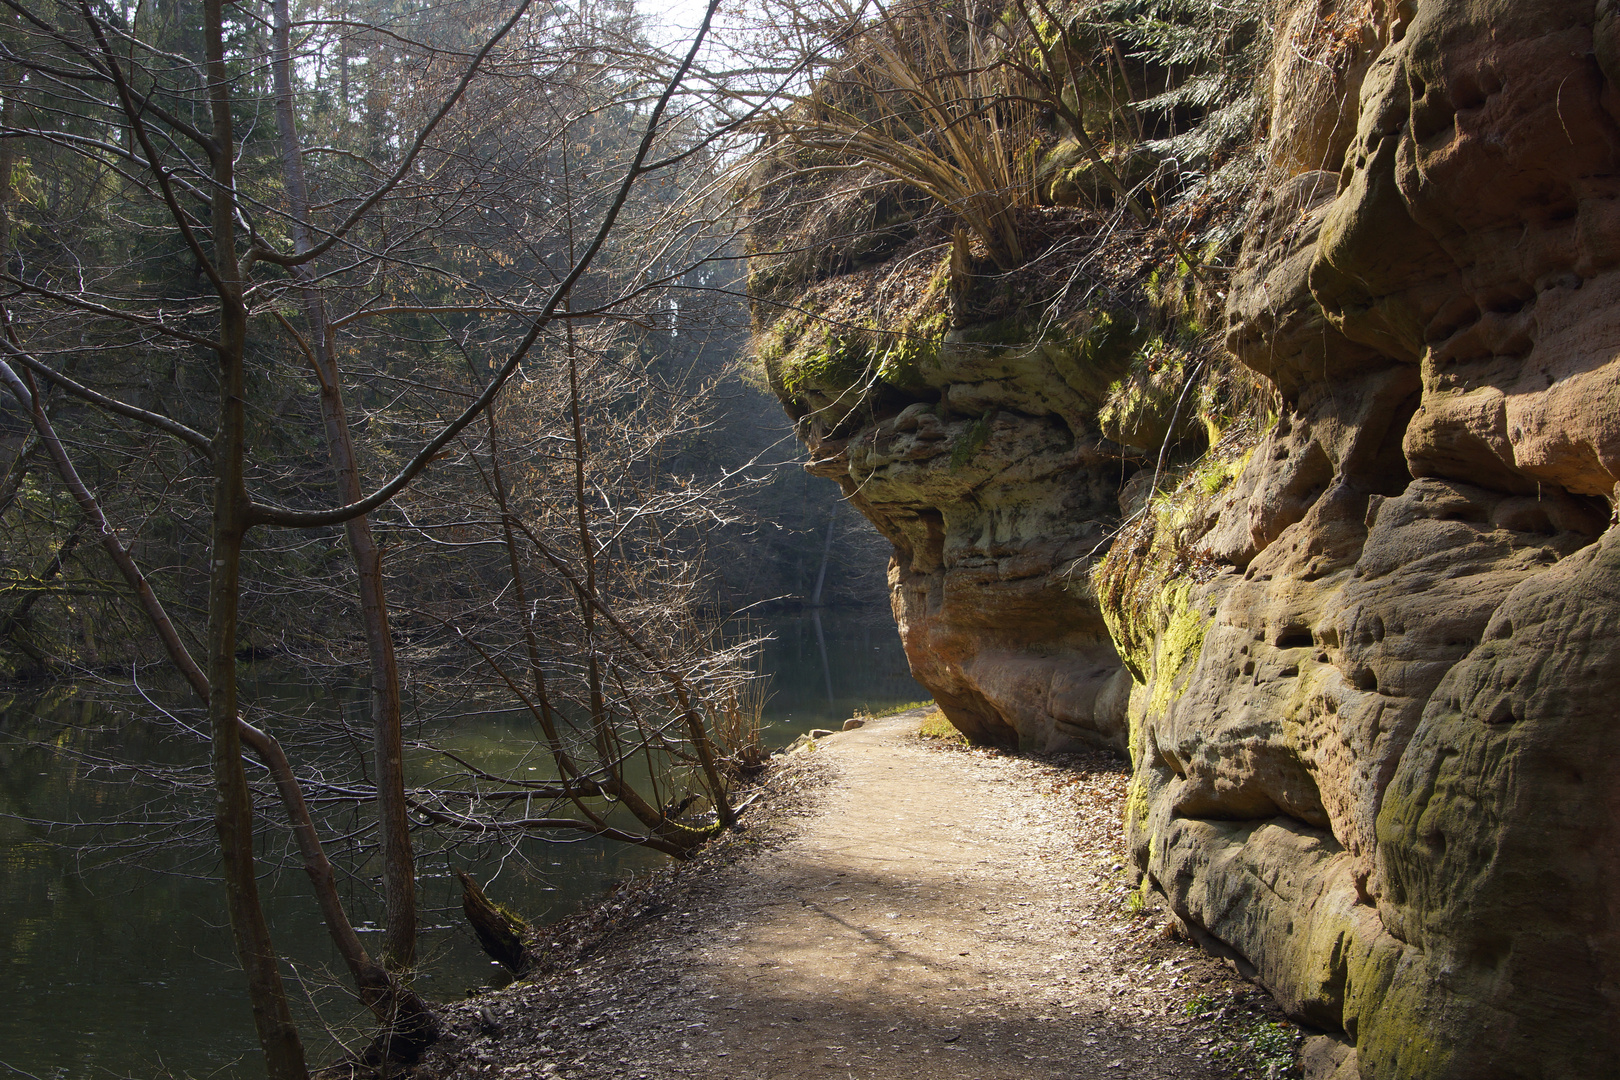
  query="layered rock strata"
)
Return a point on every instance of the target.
[
  {"x": 1375, "y": 750},
  {"x": 1370, "y": 652},
  {"x": 997, "y": 496}
]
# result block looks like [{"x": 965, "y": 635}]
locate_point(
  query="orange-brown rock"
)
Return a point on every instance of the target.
[
  {"x": 996, "y": 517},
  {"x": 1372, "y": 653},
  {"x": 1385, "y": 780}
]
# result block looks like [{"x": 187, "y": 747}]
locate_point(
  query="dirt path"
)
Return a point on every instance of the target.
[{"x": 934, "y": 914}]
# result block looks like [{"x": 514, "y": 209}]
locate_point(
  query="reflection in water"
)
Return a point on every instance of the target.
[
  {"x": 824, "y": 667},
  {"x": 821, "y": 647},
  {"x": 112, "y": 968},
  {"x": 116, "y": 960}
]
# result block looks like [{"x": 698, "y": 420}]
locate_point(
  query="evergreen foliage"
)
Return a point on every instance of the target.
[{"x": 1203, "y": 123}]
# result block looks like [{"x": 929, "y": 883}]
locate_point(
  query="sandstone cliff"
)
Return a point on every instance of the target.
[{"x": 1364, "y": 654}]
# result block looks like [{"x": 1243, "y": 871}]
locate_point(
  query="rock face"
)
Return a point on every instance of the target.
[
  {"x": 1372, "y": 654},
  {"x": 997, "y": 510},
  {"x": 1385, "y": 780}
]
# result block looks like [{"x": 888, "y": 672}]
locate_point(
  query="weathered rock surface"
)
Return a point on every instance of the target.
[
  {"x": 1373, "y": 674},
  {"x": 1385, "y": 778},
  {"x": 998, "y": 499}
]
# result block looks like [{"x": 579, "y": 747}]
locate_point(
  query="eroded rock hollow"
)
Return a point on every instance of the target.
[{"x": 1364, "y": 657}]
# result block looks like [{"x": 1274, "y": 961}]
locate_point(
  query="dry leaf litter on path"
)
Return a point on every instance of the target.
[{"x": 896, "y": 909}]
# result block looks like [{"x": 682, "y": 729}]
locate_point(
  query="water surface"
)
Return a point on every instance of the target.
[{"x": 115, "y": 961}]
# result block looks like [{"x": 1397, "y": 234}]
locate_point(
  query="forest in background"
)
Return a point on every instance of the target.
[
  {"x": 396, "y": 344},
  {"x": 420, "y": 302}
]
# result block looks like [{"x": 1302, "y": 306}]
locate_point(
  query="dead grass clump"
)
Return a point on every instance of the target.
[
  {"x": 1320, "y": 54},
  {"x": 937, "y": 728}
]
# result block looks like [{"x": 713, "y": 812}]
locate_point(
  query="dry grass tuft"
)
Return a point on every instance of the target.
[{"x": 936, "y": 727}]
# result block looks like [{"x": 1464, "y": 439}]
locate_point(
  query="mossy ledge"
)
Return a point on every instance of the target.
[{"x": 1305, "y": 503}]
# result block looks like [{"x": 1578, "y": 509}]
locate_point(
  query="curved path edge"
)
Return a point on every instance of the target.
[{"x": 898, "y": 910}]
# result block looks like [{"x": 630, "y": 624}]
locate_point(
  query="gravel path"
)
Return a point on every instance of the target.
[{"x": 931, "y": 913}]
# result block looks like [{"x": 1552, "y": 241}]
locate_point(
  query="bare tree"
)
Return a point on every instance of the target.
[
  {"x": 161, "y": 127},
  {"x": 399, "y": 863}
]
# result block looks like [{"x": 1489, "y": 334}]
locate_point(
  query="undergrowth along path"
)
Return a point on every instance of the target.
[{"x": 930, "y": 913}]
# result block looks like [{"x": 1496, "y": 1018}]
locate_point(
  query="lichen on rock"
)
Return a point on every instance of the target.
[{"x": 1354, "y": 629}]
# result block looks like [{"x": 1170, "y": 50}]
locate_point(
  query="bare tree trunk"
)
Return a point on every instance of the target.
[
  {"x": 669, "y": 835},
  {"x": 607, "y": 742},
  {"x": 826, "y": 555},
  {"x": 408, "y": 1024},
  {"x": 573, "y": 776},
  {"x": 233, "y": 806},
  {"x": 399, "y": 861},
  {"x": 8, "y": 160}
]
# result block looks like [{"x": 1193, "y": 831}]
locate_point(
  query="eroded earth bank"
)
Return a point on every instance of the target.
[{"x": 1362, "y": 649}]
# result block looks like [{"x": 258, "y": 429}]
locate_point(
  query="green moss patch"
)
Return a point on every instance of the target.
[
  {"x": 855, "y": 331},
  {"x": 1148, "y": 585}
]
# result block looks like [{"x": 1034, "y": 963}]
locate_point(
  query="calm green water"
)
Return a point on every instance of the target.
[
  {"x": 820, "y": 678},
  {"x": 116, "y": 962}
]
